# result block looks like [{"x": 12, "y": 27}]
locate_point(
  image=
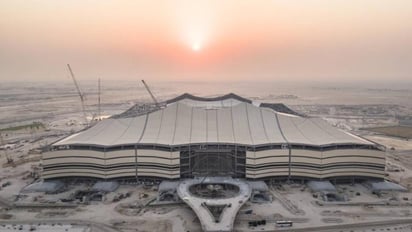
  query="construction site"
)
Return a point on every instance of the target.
[{"x": 214, "y": 163}]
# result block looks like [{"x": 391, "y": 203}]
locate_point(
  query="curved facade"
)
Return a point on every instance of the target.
[{"x": 231, "y": 135}]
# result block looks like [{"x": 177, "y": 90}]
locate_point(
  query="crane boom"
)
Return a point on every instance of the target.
[
  {"x": 81, "y": 95},
  {"x": 98, "y": 101},
  {"x": 151, "y": 94}
]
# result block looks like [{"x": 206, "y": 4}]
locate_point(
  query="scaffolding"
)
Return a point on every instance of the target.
[{"x": 213, "y": 160}]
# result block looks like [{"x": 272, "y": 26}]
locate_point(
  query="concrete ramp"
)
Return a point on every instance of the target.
[{"x": 216, "y": 212}]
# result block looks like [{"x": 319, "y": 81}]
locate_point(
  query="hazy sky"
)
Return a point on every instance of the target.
[{"x": 206, "y": 40}]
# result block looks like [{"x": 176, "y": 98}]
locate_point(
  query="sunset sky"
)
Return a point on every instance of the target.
[{"x": 206, "y": 40}]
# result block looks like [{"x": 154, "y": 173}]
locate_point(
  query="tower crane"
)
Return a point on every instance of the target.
[
  {"x": 97, "y": 116},
  {"x": 79, "y": 92},
  {"x": 151, "y": 94},
  {"x": 98, "y": 102}
]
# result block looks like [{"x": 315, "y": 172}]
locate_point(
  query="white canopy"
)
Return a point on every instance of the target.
[{"x": 187, "y": 122}]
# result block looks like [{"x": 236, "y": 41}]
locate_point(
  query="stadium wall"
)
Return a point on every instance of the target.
[
  {"x": 260, "y": 164},
  {"x": 111, "y": 164}
]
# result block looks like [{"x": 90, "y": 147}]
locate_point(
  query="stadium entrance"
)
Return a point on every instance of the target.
[{"x": 212, "y": 162}]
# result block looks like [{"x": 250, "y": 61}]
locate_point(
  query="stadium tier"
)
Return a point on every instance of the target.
[{"x": 224, "y": 136}]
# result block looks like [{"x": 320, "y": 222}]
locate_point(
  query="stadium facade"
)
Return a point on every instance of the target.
[{"x": 224, "y": 136}]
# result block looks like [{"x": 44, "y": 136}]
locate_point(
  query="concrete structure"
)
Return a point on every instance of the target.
[
  {"x": 51, "y": 187},
  {"x": 206, "y": 208},
  {"x": 224, "y": 136}
]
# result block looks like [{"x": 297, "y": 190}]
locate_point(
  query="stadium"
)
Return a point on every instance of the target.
[{"x": 191, "y": 136}]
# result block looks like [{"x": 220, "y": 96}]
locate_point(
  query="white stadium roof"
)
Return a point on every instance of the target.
[{"x": 195, "y": 121}]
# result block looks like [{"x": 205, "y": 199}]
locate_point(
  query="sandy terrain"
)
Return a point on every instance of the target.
[
  {"x": 389, "y": 142},
  {"x": 58, "y": 108}
]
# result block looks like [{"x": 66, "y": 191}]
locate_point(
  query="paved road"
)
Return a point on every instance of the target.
[
  {"x": 96, "y": 227},
  {"x": 101, "y": 227},
  {"x": 353, "y": 226},
  {"x": 201, "y": 205}
]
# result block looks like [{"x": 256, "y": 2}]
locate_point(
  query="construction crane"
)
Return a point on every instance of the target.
[
  {"x": 97, "y": 116},
  {"x": 151, "y": 94},
  {"x": 9, "y": 159},
  {"x": 81, "y": 95},
  {"x": 98, "y": 102}
]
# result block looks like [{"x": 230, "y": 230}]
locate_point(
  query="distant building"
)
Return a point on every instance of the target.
[{"x": 223, "y": 136}]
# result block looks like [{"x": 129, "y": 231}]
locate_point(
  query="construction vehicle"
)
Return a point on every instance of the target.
[
  {"x": 79, "y": 92},
  {"x": 151, "y": 94}
]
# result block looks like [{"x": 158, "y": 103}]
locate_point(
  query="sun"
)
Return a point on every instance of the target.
[{"x": 196, "y": 47}]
